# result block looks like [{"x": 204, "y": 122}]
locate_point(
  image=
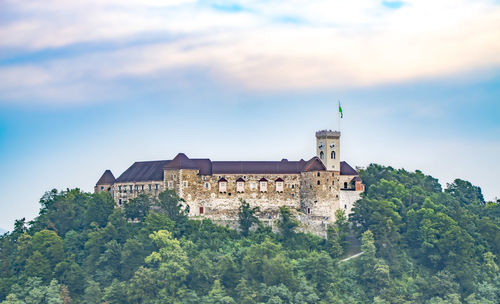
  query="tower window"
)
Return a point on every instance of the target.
[
  {"x": 321, "y": 155},
  {"x": 332, "y": 155}
]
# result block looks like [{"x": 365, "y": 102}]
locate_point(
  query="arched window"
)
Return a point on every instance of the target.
[
  {"x": 333, "y": 155},
  {"x": 321, "y": 155}
]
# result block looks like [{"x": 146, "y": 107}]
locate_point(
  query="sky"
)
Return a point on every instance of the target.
[{"x": 92, "y": 85}]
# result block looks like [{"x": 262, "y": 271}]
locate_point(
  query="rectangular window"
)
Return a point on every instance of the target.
[
  {"x": 173, "y": 176},
  {"x": 120, "y": 202},
  {"x": 149, "y": 187},
  {"x": 130, "y": 187},
  {"x": 119, "y": 189},
  {"x": 142, "y": 187},
  {"x": 240, "y": 186},
  {"x": 222, "y": 186},
  {"x": 185, "y": 184},
  {"x": 201, "y": 210},
  {"x": 136, "y": 187},
  {"x": 279, "y": 186},
  {"x": 170, "y": 185},
  {"x": 263, "y": 186},
  {"x": 156, "y": 186}
]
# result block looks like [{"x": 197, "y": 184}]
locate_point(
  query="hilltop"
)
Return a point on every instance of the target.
[{"x": 421, "y": 244}]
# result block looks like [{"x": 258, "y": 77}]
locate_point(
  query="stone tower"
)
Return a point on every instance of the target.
[{"x": 328, "y": 149}]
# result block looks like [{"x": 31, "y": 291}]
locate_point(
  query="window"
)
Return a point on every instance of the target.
[
  {"x": 149, "y": 187},
  {"x": 102, "y": 187},
  {"x": 318, "y": 174},
  {"x": 321, "y": 155},
  {"x": 345, "y": 185},
  {"x": 319, "y": 183},
  {"x": 310, "y": 186},
  {"x": 156, "y": 186},
  {"x": 188, "y": 209},
  {"x": 130, "y": 187},
  {"x": 263, "y": 186},
  {"x": 207, "y": 186},
  {"x": 222, "y": 186},
  {"x": 120, "y": 202},
  {"x": 229, "y": 194},
  {"x": 201, "y": 210},
  {"x": 120, "y": 189},
  {"x": 279, "y": 186},
  {"x": 142, "y": 187},
  {"x": 240, "y": 186},
  {"x": 170, "y": 185},
  {"x": 136, "y": 187},
  {"x": 333, "y": 184},
  {"x": 308, "y": 210},
  {"x": 332, "y": 156},
  {"x": 185, "y": 184},
  {"x": 345, "y": 206},
  {"x": 174, "y": 176},
  {"x": 293, "y": 186}
]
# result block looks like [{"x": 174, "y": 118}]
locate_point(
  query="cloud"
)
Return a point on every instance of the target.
[{"x": 256, "y": 45}]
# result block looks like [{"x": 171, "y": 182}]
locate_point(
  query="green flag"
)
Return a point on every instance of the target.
[{"x": 340, "y": 111}]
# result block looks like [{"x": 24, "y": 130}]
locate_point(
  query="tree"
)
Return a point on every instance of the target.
[
  {"x": 138, "y": 208},
  {"x": 465, "y": 192},
  {"x": 247, "y": 216},
  {"x": 170, "y": 204},
  {"x": 287, "y": 223}
]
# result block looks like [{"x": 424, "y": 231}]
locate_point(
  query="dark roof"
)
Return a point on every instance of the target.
[
  {"x": 261, "y": 167},
  {"x": 143, "y": 171},
  {"x": 240, "y": 180},
  {"x": 222, "y": 179},
  {"x": 153, "y": 170},
  {"x": 357, "y": 179},
  {"x": 279, "y": 179},
  {"x": 314, "y": 164},
  {"x": 263, "y": 180},
  {"x": 107, "y": 178},
  {"x": 181, "y": 161},
  {"x": 346, "y": 169}
]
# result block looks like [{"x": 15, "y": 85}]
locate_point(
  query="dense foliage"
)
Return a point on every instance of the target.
[{"x": 420, "y": 245}]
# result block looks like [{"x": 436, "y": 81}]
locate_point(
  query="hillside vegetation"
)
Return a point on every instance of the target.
[{"x": 420, "y": 245}]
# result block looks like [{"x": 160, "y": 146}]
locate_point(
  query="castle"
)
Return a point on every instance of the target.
[{"x": 314, "y": 189}]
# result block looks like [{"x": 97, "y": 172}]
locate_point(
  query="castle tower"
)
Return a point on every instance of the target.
[
  {"x": 105, "y": 182},
  {"x": 328, "y": 149}
]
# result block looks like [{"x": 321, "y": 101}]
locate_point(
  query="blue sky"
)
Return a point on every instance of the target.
[{"x": 93, "y": 85}]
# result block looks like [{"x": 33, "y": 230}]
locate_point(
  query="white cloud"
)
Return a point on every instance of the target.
[{"x": 333, "y": 43}]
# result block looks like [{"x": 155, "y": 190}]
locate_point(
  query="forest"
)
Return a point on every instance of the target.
[{"x": 420, "y": 243}]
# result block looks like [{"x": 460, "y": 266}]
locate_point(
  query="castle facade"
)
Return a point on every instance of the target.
[{"x": 313, "y": 189}]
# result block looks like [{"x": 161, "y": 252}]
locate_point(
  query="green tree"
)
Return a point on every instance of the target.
[
  {"x": 246, "y": 216},
  {"x": 138, "y": 208},
  {"x": 170, "y": 203},
  {"x": 287, "y": 223}
]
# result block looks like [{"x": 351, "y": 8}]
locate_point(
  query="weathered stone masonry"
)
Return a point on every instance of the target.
[{"x": 315, "y": 189}]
